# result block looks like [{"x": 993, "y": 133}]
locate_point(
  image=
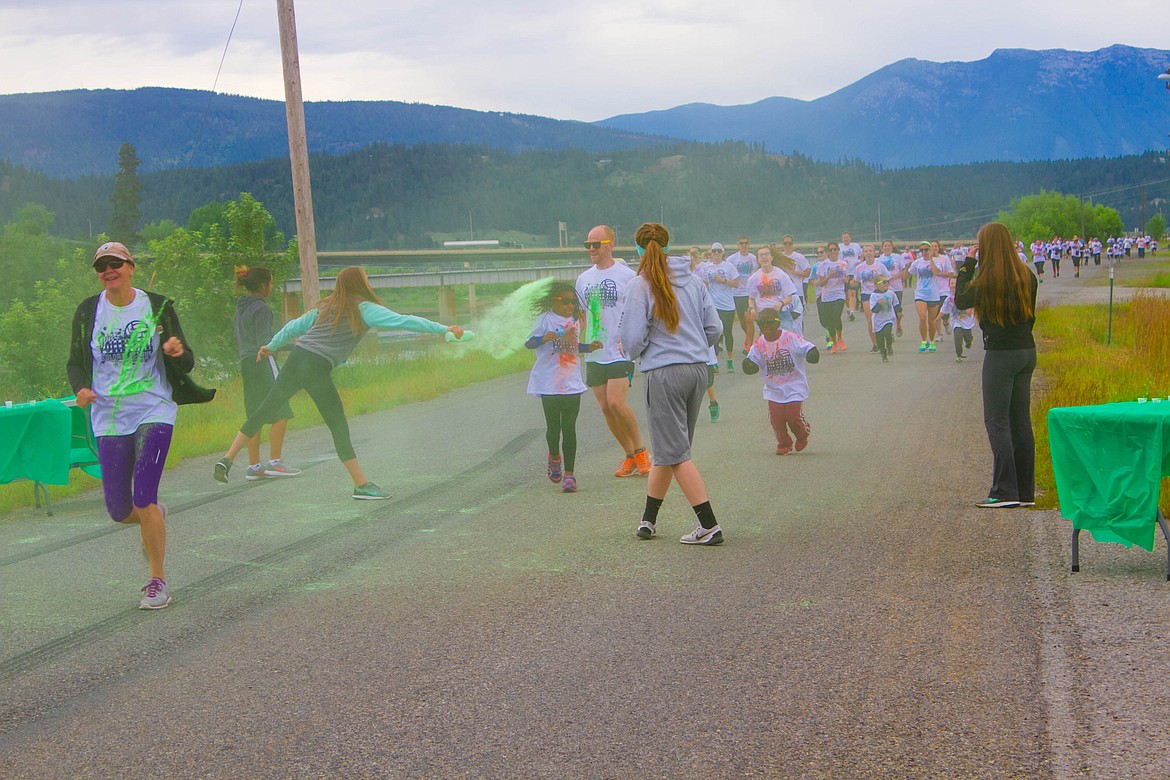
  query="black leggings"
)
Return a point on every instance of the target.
[
  {"x": 829, "y": 313},
  {"x": 728, "y": 320},
  {"x": 560, "y": 421},
  {"x": 312, "y": 373}
]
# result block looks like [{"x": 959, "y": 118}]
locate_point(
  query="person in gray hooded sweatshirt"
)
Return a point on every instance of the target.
[
  {"x": 668, "y": 325},
  {"x": 254, "y": 327}
]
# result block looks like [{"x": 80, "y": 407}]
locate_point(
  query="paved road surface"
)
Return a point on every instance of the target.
[{"x": 863, "y": 619}]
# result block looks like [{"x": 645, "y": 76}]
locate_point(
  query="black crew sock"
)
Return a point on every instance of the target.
[
  {"x": 650, "y": 515},
  {"x": 705, "y": 514}
]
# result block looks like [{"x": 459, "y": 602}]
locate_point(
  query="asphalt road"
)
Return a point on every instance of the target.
[{"x": 863, "y": 619}]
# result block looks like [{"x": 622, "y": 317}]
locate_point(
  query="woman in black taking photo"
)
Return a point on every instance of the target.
[{"x": 1002, "y": 290}]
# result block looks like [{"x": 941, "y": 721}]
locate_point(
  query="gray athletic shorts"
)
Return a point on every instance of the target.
[{"x": 674, "y": 398}]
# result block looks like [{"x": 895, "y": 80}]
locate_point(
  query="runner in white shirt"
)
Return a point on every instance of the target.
[
  {"x": 745, "y": 265},
  {"x": 609, "y": 371},
  {"x": 851, "y": 254},
  {"x": 771, "y": 288},
  {"x": 865, "y": 274},
  {"x": 896, "y": 264}
]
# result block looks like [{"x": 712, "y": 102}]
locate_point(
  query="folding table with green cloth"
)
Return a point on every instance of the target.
[
  {"x": 1109, "y": 461},
  {"x": 42, "y": 440}
]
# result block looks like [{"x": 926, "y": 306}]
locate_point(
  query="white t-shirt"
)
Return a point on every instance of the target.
[
  {"x": 557, "y": 370},
  {"x": 767, "y": 291},
  {"x": 883, "y": 307},
  {"x": 851, "y": 254},
  {"x": 865, "y": 274},
  {"x": 128, "y": 374},
  {"x": 802, "y": 265},
  {"x": 721, "y": 294},
  {"x": 926, "y": 289},
  {"x": 834, "y": 275},
  {"x": 745, "y": 266},
  {"x": 942, "y": 284},
  {"x": 783, "y": 366},
  {"x": 895, "y": 264},
  {"x": 603, "y": 298}
]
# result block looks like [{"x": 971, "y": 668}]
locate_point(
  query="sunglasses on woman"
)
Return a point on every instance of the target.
[{"x": 101, "y": 265}]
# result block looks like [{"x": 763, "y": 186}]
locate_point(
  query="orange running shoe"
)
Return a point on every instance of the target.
[
  {"x": 841, "y": 347},
  {"x": 642, "y": 461},
  {"x": 627, "y": 469}
]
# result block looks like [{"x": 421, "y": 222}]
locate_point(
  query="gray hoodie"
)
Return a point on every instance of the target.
[
  {"x": 253, "y": 324},
  {"x": 646, "y": 340}
]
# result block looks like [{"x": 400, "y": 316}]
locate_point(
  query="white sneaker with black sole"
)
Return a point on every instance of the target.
[
  {"x": 645, "y": 530},
  {"x": 708, "y": 536}
]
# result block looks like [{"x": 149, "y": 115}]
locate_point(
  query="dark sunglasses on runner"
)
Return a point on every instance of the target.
[
  {"x": 102, "y": 263},
  {"x": 597, "y": 244}
]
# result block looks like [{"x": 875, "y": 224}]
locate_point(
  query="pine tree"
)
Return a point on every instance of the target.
[{"x": 127, "y": 197}]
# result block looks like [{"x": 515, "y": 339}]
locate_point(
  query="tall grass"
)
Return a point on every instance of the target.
[
  {"x": 1077, "y": 368},
  {"x": 373, "y": 381}
]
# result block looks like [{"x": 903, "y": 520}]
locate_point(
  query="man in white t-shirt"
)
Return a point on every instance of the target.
[
  {"x": 609, "y": 371},
  {"x": 851, "y": 254}
]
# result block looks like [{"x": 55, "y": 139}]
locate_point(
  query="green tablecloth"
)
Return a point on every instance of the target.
[
  {"x": 1109, "y": 461},
  {"x": 35, "y": 441}
]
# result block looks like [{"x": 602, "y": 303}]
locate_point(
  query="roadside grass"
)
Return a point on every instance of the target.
[
  {"x": 1079, "y": 369},
  {"x": 375, "y": 380}
]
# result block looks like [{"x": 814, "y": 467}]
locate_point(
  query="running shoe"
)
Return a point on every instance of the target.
[
  {"x": 554, "y": 469},
  {"x": 931, "y": 347},
  {"x": 996, "y": 503},
  {"x": 255, "y": 472},
  {"x": 841, "y": 346},
  {"x": 782, "y": 450},
  {"x": 922, "y": 347},
  {"x": 627, "y": 469},
  {"x": 885, "y": 359},
  {"x": 714, "y": 412},
  {"x": 874, "y": 350},
  {"x": 731, "y": 366},
  {"x": 223, "y": 467},
  {"x": 569, "y": 484},
  {"x": 1027, "y": 503},
  {"x": 158, "y": 595},
  {"x": 645, "y": 530},
  {"x": 370, "y": 492},
  {"x": 959, "y": 359},
  {"x": 832, "y": 347},
  {"x": 276, "y": 468},
  {"x": 801, "y": 444},
  {"x": 642, "y": 461},
  {"x": 898, "y": 331},
  {"x": 851, "y": 317},
  {"x": 706, "y": 536}
]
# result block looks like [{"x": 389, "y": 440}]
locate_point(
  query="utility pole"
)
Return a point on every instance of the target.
[{"x": 298, "y": 152}]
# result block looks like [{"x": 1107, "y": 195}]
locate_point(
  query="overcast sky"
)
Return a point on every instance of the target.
[{"x": 566, "y": 59}]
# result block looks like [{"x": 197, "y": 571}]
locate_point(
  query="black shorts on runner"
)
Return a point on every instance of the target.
[
  {"x": 597, "y": 374},
  {"x": 741, "y": 305}
]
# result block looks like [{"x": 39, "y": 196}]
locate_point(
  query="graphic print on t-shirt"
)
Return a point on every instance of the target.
[
  {"x": 597, "y": 297},
  {"x": 130, "y": 346},
  {"x": 780, "y": 362}
]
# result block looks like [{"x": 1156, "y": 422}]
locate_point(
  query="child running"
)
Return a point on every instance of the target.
[
  {"x": 884, "y": 307},
  {"x": 556, "y": 377},
  {"x": 325, "y": 336},
  {"x": 963, "y": 324},
  {"x": 782, "y": 355}
]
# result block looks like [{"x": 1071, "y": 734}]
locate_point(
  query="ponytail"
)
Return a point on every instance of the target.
[
  {"x": 652, "y": 239},
  {"x": 252, "y": 279}
]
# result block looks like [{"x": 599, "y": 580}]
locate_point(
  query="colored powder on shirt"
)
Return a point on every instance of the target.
[{"x": 596, "y": 332}]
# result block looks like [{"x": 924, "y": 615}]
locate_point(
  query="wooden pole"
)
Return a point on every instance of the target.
[{"x": 298, "y": 150}]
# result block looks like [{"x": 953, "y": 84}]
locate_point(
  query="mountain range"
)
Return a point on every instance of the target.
[{"x": 1016, "y": 105}]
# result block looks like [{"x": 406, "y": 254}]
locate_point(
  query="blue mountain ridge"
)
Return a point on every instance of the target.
[{"x": 1016, "y": 105}]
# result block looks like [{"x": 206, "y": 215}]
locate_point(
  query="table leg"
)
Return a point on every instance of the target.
[
  {"x": 1076, "y": 550},
  {"x": 1166, "y": 536},
  {"x": 39, "y": 489}
]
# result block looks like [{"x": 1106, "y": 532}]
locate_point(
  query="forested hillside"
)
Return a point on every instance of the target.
[{"x": 396, "y": 197}]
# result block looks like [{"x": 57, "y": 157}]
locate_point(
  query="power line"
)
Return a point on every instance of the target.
[{"x": 214, "y": 85}]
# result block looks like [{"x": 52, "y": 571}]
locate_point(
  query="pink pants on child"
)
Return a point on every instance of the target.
[{"x": 785, "y": 417}]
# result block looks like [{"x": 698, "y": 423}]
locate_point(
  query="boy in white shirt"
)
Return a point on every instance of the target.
[{"x": 783, "y": 356}]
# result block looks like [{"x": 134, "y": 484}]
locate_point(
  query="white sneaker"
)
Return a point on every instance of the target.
[
  {"x": 645, "y": 530},
  {"x": 158, "y": 595},
  {"x": 701, "y": 535}
]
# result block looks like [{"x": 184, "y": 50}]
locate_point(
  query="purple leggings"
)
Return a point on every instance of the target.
[{"x": 132, "y": 467}]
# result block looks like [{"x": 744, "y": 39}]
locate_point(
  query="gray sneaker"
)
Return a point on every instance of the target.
[
  {"x": 370, "y": 492},
  {"x": 255, "y": 473},
  {"x": 222, "y": 467},
  {"x": 645, "y": 530},
  {"x": 708, "y": 536},
  {"x": 158, "y": 595},
  {"x": 274, "y": 468}
]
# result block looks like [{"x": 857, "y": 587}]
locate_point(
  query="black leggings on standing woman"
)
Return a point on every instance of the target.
[
  {"x": 728, "y": 320},
  {"x": 312, "y": 373},
  {"x": 560, "y": 420}
]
